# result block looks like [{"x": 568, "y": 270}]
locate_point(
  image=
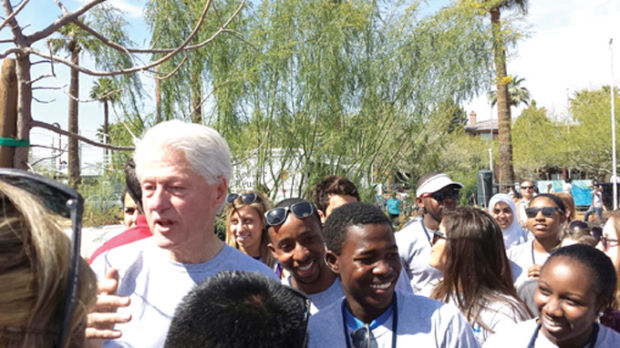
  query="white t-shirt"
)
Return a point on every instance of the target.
[
  {"x": 522, "y": 257},
  {"x": 414, "y": 247},
  {"x": 156, "y": 285},
  {"x": 597, "y": 199},
  {"x": 519, "y": 335},
  {"x": 567, "y": 188},
  {"x": 334, "y": 293},
  {"x": 497, "y": 314},
  {"x": 421, "y": 322}
]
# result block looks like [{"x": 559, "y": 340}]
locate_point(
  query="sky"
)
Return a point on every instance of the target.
[{"x": 567, "y": 49}]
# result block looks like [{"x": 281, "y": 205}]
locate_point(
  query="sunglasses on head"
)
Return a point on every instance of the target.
[
  {"x": 246, "y": 198},
  {"x": 66, "y": 202},
  {"x": 442, "y": 195},
  {"x": 532, "y": 212},
  {"x": 607, "y": 242},
  {"x": 527, "y": 187},
  {"x": 301, "y": 210}
]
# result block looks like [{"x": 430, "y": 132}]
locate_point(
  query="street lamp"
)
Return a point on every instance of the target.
[{"x": 613, "y": 126}]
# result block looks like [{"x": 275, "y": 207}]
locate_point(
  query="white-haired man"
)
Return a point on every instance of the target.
[
  {"x": 183, "y": 171},
  {"x": 435, "y": 193}
]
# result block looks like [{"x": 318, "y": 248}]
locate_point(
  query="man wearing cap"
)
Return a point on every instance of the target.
[{"x": 435, "y": 193}]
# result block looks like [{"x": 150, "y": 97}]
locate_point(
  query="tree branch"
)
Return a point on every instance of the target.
[
  {"x": 55, "y": 129},
  {"x": 13, "y": 14},
  {"x": 67, "y": 18}
]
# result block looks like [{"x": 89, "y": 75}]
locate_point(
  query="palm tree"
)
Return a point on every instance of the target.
[
  {"x": 73, "y": 39},
  {"x": 106, "y": 91},
  {"x": 506, "y": 170},
  {"x": 518, "y": 94}
]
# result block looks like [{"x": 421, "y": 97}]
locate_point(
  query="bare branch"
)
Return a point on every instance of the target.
[
  {"x": 47, "y": 87},
  {"x": 44, "y": 101},
  {"x": 13, "y": 14},
  {"x": 157, "y": 77},
  {"x": 7, "y": 41},
  {"x": 18, "y": 35},
  {"x": 77, "y": 136},
  {"x": 40, "y": 78},
  {"x": 62, "y": 7},
  {"x": 67, "y": 18}
]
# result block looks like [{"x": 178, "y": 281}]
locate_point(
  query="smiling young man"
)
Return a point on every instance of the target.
[
  {"x": 363, "y": 252},
  {"x": 435, "y": 193},
  {"x": 183, "y": 171}
]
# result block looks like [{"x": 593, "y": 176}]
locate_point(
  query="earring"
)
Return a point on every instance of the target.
[{"x": 600, "y": 314}]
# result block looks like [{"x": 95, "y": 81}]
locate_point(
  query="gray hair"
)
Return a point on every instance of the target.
[{"x": 205, "y": 149}]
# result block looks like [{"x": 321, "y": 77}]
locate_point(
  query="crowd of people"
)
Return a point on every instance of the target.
[{"x": 330, "y": 271}]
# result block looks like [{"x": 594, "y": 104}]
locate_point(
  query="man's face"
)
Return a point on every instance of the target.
[
  {"x": 336, "y": 201},
  {"x": 368, "y": 265},
  {"x": 527, "y": 190},
  {"x": 439, "y": 202},
  {"x": 298, "y": 246},
  {"x": 179, "y": 205}
]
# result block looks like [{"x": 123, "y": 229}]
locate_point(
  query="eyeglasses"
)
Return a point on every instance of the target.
[
  {"x": 246, "y": 198},
  {"x": 437, "y": 235},
  {"x": 306, "y": 301},
  {"x": 442, "y": 195},
  {"x": 361, "y": 338},
  {"x": 67, "y": 203},
  {"x": 607, "y": 242},
  {"x": 277, "y": 216},
  {"x": 546, "y": 211},
  {"x": 527, "y": 187}
]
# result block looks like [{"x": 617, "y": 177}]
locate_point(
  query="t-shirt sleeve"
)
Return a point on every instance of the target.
[{"x": 458, "y": 332}]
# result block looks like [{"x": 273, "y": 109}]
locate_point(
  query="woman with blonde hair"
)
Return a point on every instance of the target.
[
  {"x": 245, "y": 225},
  {"x": 46, "y": 288}
]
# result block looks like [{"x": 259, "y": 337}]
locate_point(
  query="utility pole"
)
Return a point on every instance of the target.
[{"x": 613, "y": 126}]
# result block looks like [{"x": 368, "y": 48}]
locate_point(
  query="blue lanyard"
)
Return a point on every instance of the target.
[{"x": 375, "y": 323}]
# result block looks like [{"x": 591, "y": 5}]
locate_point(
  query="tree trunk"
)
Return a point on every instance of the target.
[
  {"x": 504, "y": 119},
  {"x": 106, "y": 131},
  {"x": 8, "y": 111},
  {"x": 74, "y": 87},
  {"x": 196, "y": 98},
  {"x": 24, "y": 111}
]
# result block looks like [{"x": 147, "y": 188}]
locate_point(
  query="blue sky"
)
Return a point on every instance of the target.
[{"x": 567, "y": 50}]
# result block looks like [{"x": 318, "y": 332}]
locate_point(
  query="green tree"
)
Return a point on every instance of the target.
[
  {"x": 106, "y": 91},
  {"x": 518, "y": 94}
]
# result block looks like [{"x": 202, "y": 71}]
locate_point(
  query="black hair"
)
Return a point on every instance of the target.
[
  {"x": 600, "y": 266},
  {"x": 355, "y": 213},
  {"x": 333, "y": 185},
  {"x": 239, "y": 309},
  {"x": 132, "y": 185},
  {"x": 557, "y": 200}
]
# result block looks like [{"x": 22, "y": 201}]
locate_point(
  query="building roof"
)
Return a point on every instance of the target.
[{"x": 483, "y": 126}]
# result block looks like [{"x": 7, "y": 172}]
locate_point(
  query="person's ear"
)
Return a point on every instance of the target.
[
  {"x": 273, "y": 250},
  {"x": 419, "y": 201},
  {"x": 332, "y": 261},
  {"x": 222, "y": 190}
]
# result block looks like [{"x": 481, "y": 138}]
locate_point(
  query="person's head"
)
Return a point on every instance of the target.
[
  {"x": 546, "y": 217},
  {"x": 576, "y": 283},
  {"x": 469, "y": 250},
  {"x": 609, "y": 238},
  {"x": 332, "y": 192},
  {"x": 527, "y": 189},
  {"x": 436, "y": 193},
  {"x": 578, "y": 231},
  {"x": 130, "y": 210},
  {"x": 568, "y": 180},
  {"x": 295, "y": 240},
  {"x": 503, "y": 210},
  {"x": 363, "y": 252},
  {"x": 569, "y": 203},
  {"x": 132, "y": 184},
  {"x": 34, "y": 267},
  {"x": 239, "y": 309},
  {"x": 245, "y": 224},
  {"x": 183, "y": 170}
]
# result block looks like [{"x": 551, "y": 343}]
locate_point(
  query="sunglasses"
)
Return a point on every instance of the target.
[
  {"x": 361, "y": 338},
  {"x": 301, "y": 210},
  {"x": 437, "y": 235},
  {"x": 246, "y": 198},
  {"x": 607, "y": 242},
  {"x": 546, "y": 211},
  {"x": 442, "y": 195},
  {"x": 66, "y": 202},
  {"x": 527, "y": 187}
]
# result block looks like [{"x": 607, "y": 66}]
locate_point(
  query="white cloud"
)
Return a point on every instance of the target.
[{"x": 129, "y": 8}]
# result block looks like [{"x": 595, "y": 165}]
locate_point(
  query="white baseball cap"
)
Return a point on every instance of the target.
[{"x": 436, "y": 183}]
